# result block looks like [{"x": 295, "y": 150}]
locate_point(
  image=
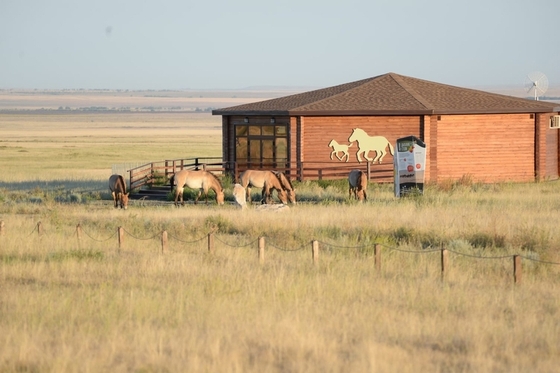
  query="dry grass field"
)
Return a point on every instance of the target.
[{"x": 85, "y": 303}]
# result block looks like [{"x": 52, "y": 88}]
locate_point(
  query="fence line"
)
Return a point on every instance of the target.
[{"x": 260, "y": 241}]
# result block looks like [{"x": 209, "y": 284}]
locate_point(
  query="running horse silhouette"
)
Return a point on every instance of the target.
[
  {"x": 368, "y": 143},
  {"x": 201, "y": 180},
  {"x": 339, "y": 148},
  {"x": 117, "y": 186},
  {"x": 268, "y": 181},
  {"x": 357, "y": 181}
]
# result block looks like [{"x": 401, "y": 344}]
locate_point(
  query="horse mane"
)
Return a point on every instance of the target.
[
  {"x": 217, "y": 180},
  {"x": 283, "y": 179},
  {"x": 121, "y": 179}
]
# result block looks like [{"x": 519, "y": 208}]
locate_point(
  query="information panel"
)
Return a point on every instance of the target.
[{"x": 409, "y": 162}]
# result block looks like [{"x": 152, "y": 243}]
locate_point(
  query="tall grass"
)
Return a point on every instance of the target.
[{"x": 87, "y": 305}]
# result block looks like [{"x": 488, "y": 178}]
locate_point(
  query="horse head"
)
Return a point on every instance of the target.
[
  {"x": 124, "y": 200},
  {"x": 355, "y": 133},
  {"x": 220, "y": 197},
  {"x": 287, "y": 186},
  {"x": 332, "y": 143},
  {"x": 282, "y": 196}
]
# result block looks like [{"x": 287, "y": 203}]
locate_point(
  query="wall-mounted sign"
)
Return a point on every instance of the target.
[{"x": 410, "y": 163}]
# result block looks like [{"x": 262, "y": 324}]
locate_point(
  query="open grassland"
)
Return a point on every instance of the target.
[
  {"x": 84, "y": 146},
  {"x": 69, "y": 304}
]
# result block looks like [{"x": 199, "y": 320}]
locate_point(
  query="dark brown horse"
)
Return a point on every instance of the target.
[
  {"x": 201, "y": 180},
  {"x": 358, "y": 182},
  {"x": 117, "y": 186}
]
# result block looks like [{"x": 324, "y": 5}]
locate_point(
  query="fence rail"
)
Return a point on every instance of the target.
[
  {"x": 150, "y": 173},
  {"x": 213, "y": 236}
]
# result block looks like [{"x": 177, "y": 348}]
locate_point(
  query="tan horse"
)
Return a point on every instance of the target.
[
  {"x": 267, "y": 180},
  {"x": 358, "y": 182},
  {"x": 117, "y": 186},
  {"x": 201, "y": 180},
  {"x": 287, "y": 185}
]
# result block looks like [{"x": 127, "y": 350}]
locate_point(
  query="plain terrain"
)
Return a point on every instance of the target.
[{"x": 75, "y": 300}]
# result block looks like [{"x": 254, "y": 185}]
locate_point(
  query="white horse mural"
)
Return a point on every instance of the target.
[
  {"x": 368, "y": 143},
  {"x": 339, "y": 148}
]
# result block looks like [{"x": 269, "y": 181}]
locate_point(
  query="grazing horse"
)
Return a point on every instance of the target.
[
  {"x": 368, "y": 143},
  {"x": 201, "y": 180},
  {"x": 339, "y": 148},
  {"x": 287, "y": 185},
  {"x": 265, "y": 179},
  {"x": 358, "y": 181},
  {"x": 117, "y": 186}
]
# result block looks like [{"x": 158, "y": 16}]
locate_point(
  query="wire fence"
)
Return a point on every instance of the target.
[{"x": 314, "y": 245}]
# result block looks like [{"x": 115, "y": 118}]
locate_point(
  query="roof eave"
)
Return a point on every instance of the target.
[
  {"x": 495, "y": 111},
  {"x": 360, "y": 112},
  {"x": 250, "y": 112}
]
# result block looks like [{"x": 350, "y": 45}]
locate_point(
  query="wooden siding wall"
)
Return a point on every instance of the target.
[
  {"x": 317, "y": 132},
  {"x": 431, "y": 140},
  {"x": 549, "y": 171},
  {"x": 487, "y": 148}
]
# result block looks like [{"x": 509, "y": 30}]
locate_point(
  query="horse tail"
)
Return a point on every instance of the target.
[
  {"x": 172, "y": 181},
  {"x": 391, "y": 150}
]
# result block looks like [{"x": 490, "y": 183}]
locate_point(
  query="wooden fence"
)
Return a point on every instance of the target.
[
  {"x": 313, "y": 246},
  {"x": 151, "y": 173}
]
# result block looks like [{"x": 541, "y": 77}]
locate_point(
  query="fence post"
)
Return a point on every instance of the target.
[
  {"x": 163, "y": 242},
  {"x": 211, "y": 242},
  {"x": 377, "y": 256},
  {"x": 39, "y": 228},
  {"x": 320, "y": 174},
  {"x": 369, "y": 171},
  {"x": 444, "y": 255},
  {"x": 79, "y": 233},
  {"x": 261, "y": 249},
  {"x": 1, "y": 227},
  {"x": 120, "y": 235},
  {"x": 517, "y": 273},
  {"x": 315, "y": 251}
]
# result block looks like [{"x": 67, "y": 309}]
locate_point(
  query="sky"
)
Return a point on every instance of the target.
[{"x": 235, "y": 44}]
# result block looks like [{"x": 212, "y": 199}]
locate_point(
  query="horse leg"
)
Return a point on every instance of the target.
[
  {"x": 358, "y": 156},
  {"x": 383, "y": 152},
  {"x": 179, "y": 195},
  {"x": 114, "y": 199},
  {"x": 332, "y": 153},
  {"x": 206, "y": 195},
  {"x": 248, "y": 193}
]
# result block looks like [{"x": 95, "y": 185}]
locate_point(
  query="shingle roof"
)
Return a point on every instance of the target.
[{"x": 391, "y": 94}]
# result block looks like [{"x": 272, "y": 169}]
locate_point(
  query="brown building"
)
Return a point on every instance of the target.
[{"x": 487, "y": 137}]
